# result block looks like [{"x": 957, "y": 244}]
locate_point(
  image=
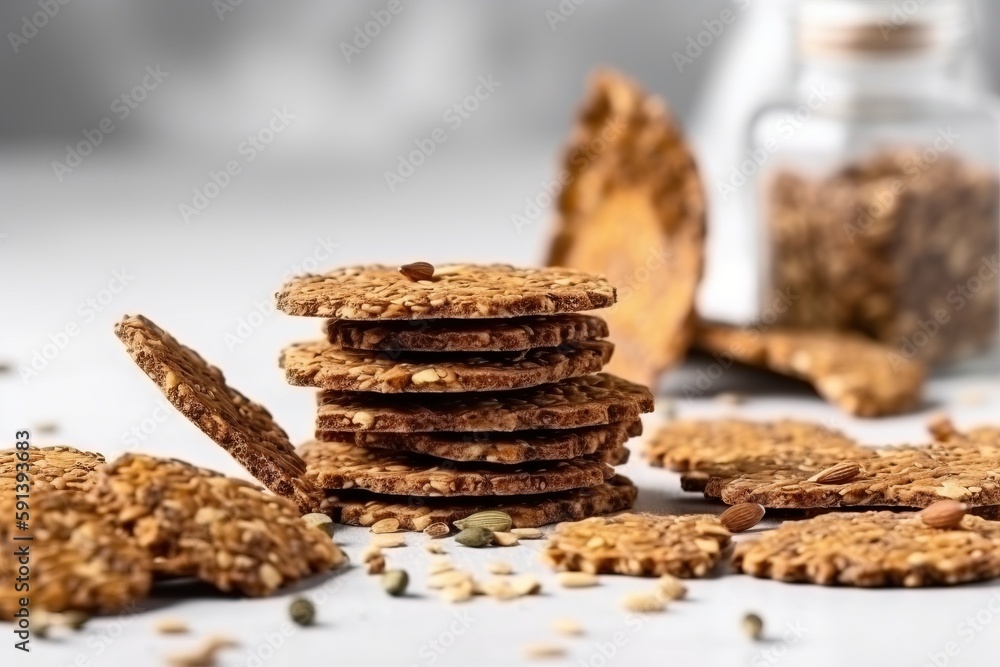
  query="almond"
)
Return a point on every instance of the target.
[
  {"x": 944, "y": 514},
  {"x": 742, "y": 517},
  {"x": 841, "y": 473},
  {"x": 417, "y": 271}
]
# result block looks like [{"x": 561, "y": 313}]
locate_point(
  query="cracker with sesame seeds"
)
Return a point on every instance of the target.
[
  {"x": 462, "y": 291},
  {"x": 224, "y": 531},
  {"x": 873, "y": 549},
  {"x": 639, "y": 545},
  {"x": 328, "y": 366}
]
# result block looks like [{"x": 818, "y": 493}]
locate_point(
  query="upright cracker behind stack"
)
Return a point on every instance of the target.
[{"x": 449, "y": 391}]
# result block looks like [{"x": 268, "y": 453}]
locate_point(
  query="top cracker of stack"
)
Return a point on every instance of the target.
[{"x": 449, "y": 391}]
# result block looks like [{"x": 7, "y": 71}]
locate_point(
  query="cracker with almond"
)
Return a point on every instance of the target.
[
  {"x": 639, "y": 545},
  {"x": 633, "y": 209},
  {"x": 874, "y": 549}
]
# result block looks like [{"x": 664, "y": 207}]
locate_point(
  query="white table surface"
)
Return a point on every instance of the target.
[{"x": 61, "y": 246}]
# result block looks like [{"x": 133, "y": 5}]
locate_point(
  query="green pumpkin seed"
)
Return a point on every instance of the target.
[{"x": 476, "y": 537}]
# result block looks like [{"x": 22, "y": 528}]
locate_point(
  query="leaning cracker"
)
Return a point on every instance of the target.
[
  {"x": 863, "y": 377},
  {"x": 456, "y": 291},
  {"x": 224, "y": 531},
  {"x": 364, "y": 509},
  {"x": 505, "y": 335},
  {"x": 328, "y": 366},
  {"x": 60, "y": 467},
  {"x": 633, "y": 209},
  {"x": 498, "y": 447},
  {"x": 639, "y": 545},
  {"x": 79, "y": 560},
  {"x": 873, "y": 549},
  {"x": 337, "y": 465},
  {"x": 199, "y": 391},
  {"x": 583, "y": 401}
]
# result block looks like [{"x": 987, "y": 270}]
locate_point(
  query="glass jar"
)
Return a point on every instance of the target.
[{"x": 877, "y": 190}]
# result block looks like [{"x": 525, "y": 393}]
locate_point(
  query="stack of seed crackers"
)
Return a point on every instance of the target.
[{"x": 445, "y": 391}]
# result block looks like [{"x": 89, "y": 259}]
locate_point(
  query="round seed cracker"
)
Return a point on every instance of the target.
[
  {"x": 224, "y": 531},
  {"x": 634, "y": 210},
  {"x": 199, "y": 391},
  {"x": 498, "y": 447},
  {"x": 456, "y": 291},
  {"x": 873, "y": 549},
  {"x": 79, "y": 559},
  {"x": 59, "y": 467},
  {"x": 506, "y": 335},
  {"x": 861, "y": 376},
  {"x": 639, "y": 545},
  {"x": 328, "y": 366},
  {"x": 582, "y": 401},
  {"x": 360, "y": 508},
  {"x": 339, "y": 465}
]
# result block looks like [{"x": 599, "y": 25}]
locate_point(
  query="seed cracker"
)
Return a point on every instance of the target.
[
  {"x": 861, "y": 376},
  {"x": 639, "y": 545},
  {"x": 329, "y": 366},
  {"x": 498, "y": 447},
  {"x": 456, "y": 291},
  {"x": 79, "y": 559},
  {"x": 583, "y": 401},
  {"x": 199, "y": 391},
  {"x": 337, "y": 465},
  {"x": 775, "y": 472},
  {"x": 873, "y": 549},
  {"x": 364, "y": 509},
  {"x": 224, "y": 531},
  {"x": 504, "y": 335},
  {"x": 634, "y": 209},
  {"x": 62, "y": 468}
]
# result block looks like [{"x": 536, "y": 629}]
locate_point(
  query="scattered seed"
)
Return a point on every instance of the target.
[
  {"x": 388, "y": 540},
  {"x": 744, "y": 516},
  {"x": 321, "y": 521},
  {"x": 753, "y": 626},
  {"x": 439, "y": 529},
  {"x": 525, "y": 584},
  {"x": 567, "y": 626},
  {"x": 495, "y": 520},
  {"x": 527, "y": 533},
  {"x": 475, "y": 537},
  {"x": 434, "y": 548},
  {"x": 505, "y": 539},
  {"x": 543, "y": 651},
  {"x": 576, "y": 579},
  {"x": 203, "y": 655},
  {"x": 941, "y": 427},
  {"x": 302, "y": 611},
  {"x": 496, "y": 588},
  {"x": 417, "y": 271},
  {"x": 394, "y": 582},
  {"x": 74, "y": 620},
  {"x": 385, "y": 526},
  {"x": 171, "y": 626},
  {"x": 376, "y": 564},
  {"x": 499, "y": 567},
  {"x": 671, "y": 587},
  {"x": 47, "y": 428},
  {"x": 944, "y": 514},
  {"x": 643, "y": 603},
  {"x": 461, "y": 592},
  {"x": 448, "y": 578},
  {"x": 439, "y": 565}
]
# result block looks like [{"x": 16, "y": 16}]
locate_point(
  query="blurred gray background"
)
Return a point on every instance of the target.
[{"x": 169, "y": 94}]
